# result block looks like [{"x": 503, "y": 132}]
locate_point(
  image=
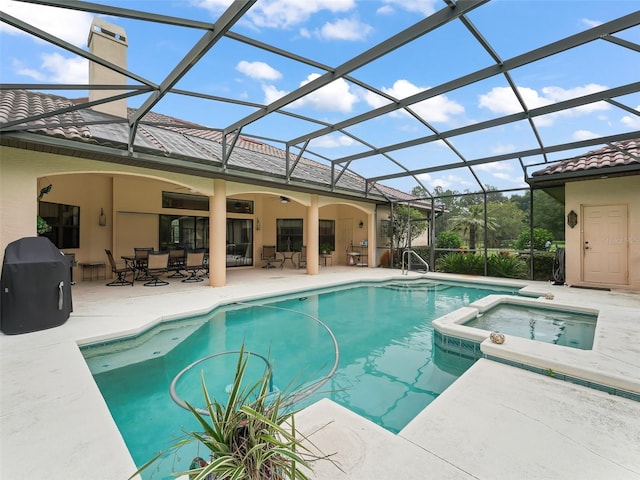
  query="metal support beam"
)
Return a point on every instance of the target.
[
  {"x": 209, "y": 39},
  {"x": 415, "y": 31}
]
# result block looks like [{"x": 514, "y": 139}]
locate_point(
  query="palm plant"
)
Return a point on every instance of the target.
[
  {"x": 471, "y": 221},
  {"x": 251, "y": 436}
]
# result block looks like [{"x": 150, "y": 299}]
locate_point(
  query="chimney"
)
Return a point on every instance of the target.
[{"x": 109, "y": 42}]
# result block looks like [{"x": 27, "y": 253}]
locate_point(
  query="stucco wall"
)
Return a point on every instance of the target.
[{"x": 609, "y": 191}]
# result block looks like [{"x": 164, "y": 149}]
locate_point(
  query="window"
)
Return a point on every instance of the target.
[
  {"x": 183, "y": 231},
  {"x": 64, "y": 221},
  {"x": 289, "y": 234},
  {"x": 185, "y": 201},
  {"x": 239, "y": 242},
  {"x": 192, "y": 233},
  {"x": 239, "y": 206},
  {"x": 327, "y": 233}
]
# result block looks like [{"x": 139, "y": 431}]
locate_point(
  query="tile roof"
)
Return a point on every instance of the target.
[
  {"x": 619, "y": 154},
  {"x": 170, "y": 137}
]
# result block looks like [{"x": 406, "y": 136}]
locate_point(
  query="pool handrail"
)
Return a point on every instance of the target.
[{"x": 406, "y": 253}]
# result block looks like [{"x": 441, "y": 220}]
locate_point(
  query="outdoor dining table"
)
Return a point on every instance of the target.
[
  {"x": 288, "y": 256},
  {"x": 137, "y": 263}
]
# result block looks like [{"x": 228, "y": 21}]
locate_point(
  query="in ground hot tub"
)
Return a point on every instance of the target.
[
  {"x": 565, "y": 343},
  {"x": 536, "y": 319},
  {"x": 541, "y": 323}
]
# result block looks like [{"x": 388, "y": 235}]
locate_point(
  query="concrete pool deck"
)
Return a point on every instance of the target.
[{"x": 496, "y": 421}]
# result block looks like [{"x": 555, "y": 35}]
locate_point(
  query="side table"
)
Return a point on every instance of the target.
[{"x": 92, "y": 267}]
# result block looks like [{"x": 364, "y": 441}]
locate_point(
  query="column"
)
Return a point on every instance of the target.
[
  {"x": 371, "y": 239},
  {"x": 313, "y": 246},
  {"x": 218, "y": 234}
]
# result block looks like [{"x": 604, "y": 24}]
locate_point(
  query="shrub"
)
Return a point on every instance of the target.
[
  {"x": 458, "y": 262},
  {"x": 500, "y": 265},
  {"x": 505, "y": 265},
  {"x": 540, "y": 238},
  {"x": 449, "y": 239},
  {"x": 542, "y": 265}
]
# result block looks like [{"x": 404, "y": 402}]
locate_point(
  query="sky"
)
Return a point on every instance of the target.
[{"x": 330, "y": 32}]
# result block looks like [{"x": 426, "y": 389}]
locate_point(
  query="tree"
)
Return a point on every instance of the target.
[
  {"x": 420, "y": 192},
  {"x": 510, "y": 221},
  {"x": 540, "y": 238},
  {"x": 547, "y": 211},
  {"x": 400, "y": 222},
  {"x": 471, "y": 221}
]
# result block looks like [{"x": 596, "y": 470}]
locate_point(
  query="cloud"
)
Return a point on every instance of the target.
[
  {"x": 502, "y": 171},
  {"x": 271, "y": 93},
  {"x": 55, "y": 68},
  {"x": 446, "y": 181},
  {"x": 258, "y": 70},
  {"x": 517, "y": 181},
  {"x": 631, "y": 121},
  {"x": 436, "y": 109},
  {"x": 345, "y": 29},
  {"x": 502, "y": 100},
  {"x": 332, "y": 141},
  {"x": 590, "y": 23},
  {"x": 20, "y": 69},
  {"x": 503, "y": 148},
  {"x": 584, "y": 135},
  {"x": 66, "y": 70},
  {"x": 69, "y": 25},
  {"x": 425, "y": 7},
  {"x": 385, "y": 10},
  {"x": 281, "y": 13},
  {"x": 334, "y": 97}
]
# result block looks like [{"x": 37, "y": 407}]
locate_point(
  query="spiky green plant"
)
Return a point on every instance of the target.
[
  {"x": 252, "y": 436},
  {"x": 461, "y": 262},
  {"x": 506, "y": 266}
]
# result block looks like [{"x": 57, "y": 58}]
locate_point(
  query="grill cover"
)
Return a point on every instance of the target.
[{"x": 35, "y": 286}]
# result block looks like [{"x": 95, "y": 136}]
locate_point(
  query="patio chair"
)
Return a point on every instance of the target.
[
  {"x": 176, "y": 262},
  {"x": 140, "y": 261},
  {"x": 270, "y": 257},
  {"x": 157, "y": 264},
  {"x": 194, "y": 263},
  {"x": 121, "y": 272},
  {"x": 302, "y": 257}
]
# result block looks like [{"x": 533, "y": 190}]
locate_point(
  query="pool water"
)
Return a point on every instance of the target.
[
  {"x": 388, "y": 368},
  {"x": 560, "y": 327}
]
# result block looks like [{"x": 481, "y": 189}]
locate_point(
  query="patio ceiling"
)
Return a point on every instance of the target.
[{"x": 415, "y": 145}]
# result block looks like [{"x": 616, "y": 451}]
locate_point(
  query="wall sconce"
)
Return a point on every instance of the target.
[
  {"x": 572, "y": 219},
  {"x": 361, "y": 224},
  {"x": 258, "y": 224},
  {"x": 284, "y": 200},
  {"x": 44, "y": 191},
  {"x": 102, "y": 219}
]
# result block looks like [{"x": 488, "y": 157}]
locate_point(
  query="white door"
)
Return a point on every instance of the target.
[{"x": 604, "y": 244}]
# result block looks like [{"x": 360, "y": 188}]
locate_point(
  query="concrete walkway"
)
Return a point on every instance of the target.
[{"x": 495, "y": 422}]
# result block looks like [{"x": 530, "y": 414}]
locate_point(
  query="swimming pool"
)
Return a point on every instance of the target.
[{"x": 388, "y": 371}]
